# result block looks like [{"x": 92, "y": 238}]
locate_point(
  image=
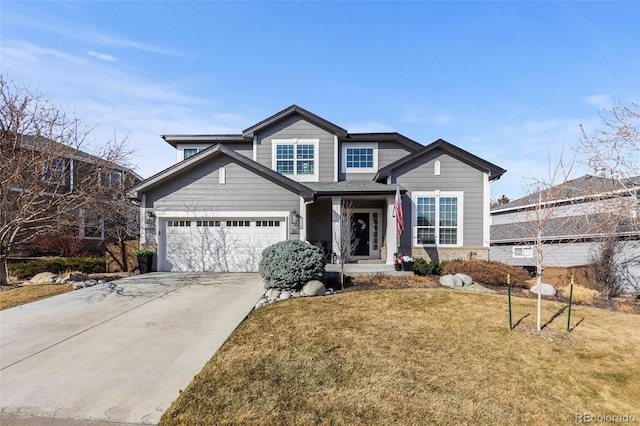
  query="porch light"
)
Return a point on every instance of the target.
[
  {"x": 150, "y": 219},
  {"x": 295, "y": 218}
]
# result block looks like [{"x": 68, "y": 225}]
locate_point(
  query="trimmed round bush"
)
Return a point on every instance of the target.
[{"x": 291, "y": 264}]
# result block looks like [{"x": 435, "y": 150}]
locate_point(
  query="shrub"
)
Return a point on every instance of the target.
[
  {"x": 487, "y": 272},
  {"x": 144, "y": 252},
  {"x": 87, "y": 265},
  {"x": 290, "y": 264},
  {"x": 423, "y": 267}
]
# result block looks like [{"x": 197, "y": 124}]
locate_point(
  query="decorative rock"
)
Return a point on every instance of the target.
[
  {"x": 545, "y": 289},
  {"x": 273, "y": 293},
  {"x": 466, "y": 279},
  {"x": 451, "y": 281},
  {"x": 314, "y": 288},
  {"x": 44, "y": 278},
  {"x": 77, "y": 276},
  {"x": 285, "y": 295}
]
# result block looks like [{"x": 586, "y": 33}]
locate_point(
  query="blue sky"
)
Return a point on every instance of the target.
[{"x": 507, "y": 81}]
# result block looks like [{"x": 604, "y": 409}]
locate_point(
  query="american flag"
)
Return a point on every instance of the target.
[{"x": 397, "y": 208}]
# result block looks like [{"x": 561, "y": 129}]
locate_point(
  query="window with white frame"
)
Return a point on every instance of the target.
[
  {"x": 437, "y": 218},
  {"x": 296, "y": 158},
  {"x": 522, "y": 251},
  {"x": 359, "y": 157},
  {"x": 190, "y": 152}
]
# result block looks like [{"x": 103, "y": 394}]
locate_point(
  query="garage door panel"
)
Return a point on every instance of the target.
[{"x": 219, "y": 245}]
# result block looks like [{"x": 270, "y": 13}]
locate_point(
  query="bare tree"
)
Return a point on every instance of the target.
[
  {"x": 47, "y": 180},
  {"x": 347, "y": 240},
  {"x": 613, "y": 154}
]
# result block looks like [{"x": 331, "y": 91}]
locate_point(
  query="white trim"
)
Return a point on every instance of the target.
[
  {"x": 296, "y": 141},
  {"x": 71, "y": 180},
  {"x": 302, "y": 221},
  {"x": 436, "y": 194},
  {"x": 372, "y": 145},
  {"x": 335, "y": 158},
  {"x": 143, "y": 224},
  {"x": 255, "y": 147},
  {"x": 216, "y": 214},
  {"x": 526, "y": 252},
  {"x": 336, "y": 206},
  {"x": 436, "y": 168},
  {"x": 222, "y": 176},
  {"x": 391, "y": 236},
  {"x": 486, "y": 211}
]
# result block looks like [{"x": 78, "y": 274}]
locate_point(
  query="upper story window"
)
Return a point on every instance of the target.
[
  {"x": 112, "y": 179},
  {"x": 437, "y": 218},
  {"x": 190, "y": 152},
  {"x": 54, "y": 171},
  {"x": 296, "y": 158},
  {"x": 360, "y": 157}
]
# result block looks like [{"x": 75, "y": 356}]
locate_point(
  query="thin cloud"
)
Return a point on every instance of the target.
[
  {"x": 88, "y": 35},
  {"x": 102, "y": 56},
  {"x": 443, "y": 118},
  {"x": 600, "y": 101}
]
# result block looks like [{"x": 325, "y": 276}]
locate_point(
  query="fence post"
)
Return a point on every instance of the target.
[
  {"x": 570, "y": 303},
  {"x": 509, "y": 293}
]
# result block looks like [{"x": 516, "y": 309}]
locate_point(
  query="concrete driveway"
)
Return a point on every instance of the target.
[{"x": 119, "y": 352}]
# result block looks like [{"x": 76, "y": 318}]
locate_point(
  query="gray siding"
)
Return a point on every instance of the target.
[
  {"x": 454, "y": 176},
  {"x": 296, "y": 127},
  {"x": 199, "y": 189},
  {"x": 388, "y": 152},
  {"x": 244, "y": 148}
]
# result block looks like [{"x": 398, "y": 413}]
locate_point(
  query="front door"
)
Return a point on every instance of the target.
[{"x": 360, "y": 225}]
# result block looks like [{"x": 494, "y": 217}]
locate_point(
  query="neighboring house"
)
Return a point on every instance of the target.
[
  {"x": 64, "y": 170},
  {"x": 286, "y": 177},
  {"x": 584, "y": 210}
]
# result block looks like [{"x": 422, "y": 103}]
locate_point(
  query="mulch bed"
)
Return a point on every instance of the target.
[{"x": 623, "y": 303}]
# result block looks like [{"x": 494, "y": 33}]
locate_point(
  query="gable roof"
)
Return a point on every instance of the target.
[
  {"x": 291, "y": 111},
  {"x": 583, "y": 188},
  {"x": 212, "y": 152},
  {"x": 494, "y": 171},
  {"x": 384, "y": 137}
]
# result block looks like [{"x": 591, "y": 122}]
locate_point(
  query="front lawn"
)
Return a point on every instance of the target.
[
  {"x": 30, "y": 293},
  {"x": 417, "y": 356}
]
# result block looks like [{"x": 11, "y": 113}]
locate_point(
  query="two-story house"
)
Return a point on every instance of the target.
[
  {"x": 288, "y": 176},
  {"x": 45, "y": 180}
]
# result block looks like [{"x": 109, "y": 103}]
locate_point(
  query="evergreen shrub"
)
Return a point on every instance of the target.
[{"x": 291, "y": 264}]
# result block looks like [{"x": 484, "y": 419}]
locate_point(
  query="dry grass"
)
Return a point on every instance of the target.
[
  {"x": 580, "y": 294},
  {"x": 31, "y": 293},
  {"x": 416, "y": 356}
]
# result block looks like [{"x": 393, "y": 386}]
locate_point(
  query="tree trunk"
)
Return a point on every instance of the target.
[
  {"x": 123, "y": 253},
  {"x": 3, "y": 271}
]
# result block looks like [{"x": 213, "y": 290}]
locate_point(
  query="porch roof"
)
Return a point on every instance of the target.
[{"x": 352, "y": 187}]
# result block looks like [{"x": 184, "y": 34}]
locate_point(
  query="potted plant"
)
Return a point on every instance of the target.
[
  {"x": 407, "y": 263},
  {"x": 397, "y": 264},
  {"x": 145, "y": 259}
]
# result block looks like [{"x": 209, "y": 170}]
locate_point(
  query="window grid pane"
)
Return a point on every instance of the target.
[
  {"x": 448, "y": 211},
  {"x": 359, "y": 158}
]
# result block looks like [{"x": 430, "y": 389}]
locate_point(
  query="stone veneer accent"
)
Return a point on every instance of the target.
[{"x": 444, "y": 253}]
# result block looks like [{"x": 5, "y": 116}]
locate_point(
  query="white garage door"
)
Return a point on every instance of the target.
[{"x": 233, "y": 245}]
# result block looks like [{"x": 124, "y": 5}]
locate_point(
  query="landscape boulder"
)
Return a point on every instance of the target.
[
  {"x": 466, "y": 279},
  {"x": 545, "y": 289},
  {"x": 44, "y": 278},
  {"x": 314, "y": 288},
  {"x": 76, "y": 277},
  {"x": 451, "y": 281}
]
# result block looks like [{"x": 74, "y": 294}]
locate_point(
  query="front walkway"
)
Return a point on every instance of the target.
[{"x": 121, "y": 351}]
